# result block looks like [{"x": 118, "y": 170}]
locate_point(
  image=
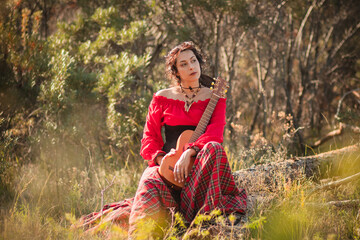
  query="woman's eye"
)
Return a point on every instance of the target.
[{"x": 183, "y": 65}]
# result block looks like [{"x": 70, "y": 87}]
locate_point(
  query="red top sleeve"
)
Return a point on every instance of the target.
[
  {"x": 152, "y": 141},
  {"x": 215, "y": 129}
]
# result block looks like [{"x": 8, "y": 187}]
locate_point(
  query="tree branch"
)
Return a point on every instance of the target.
[
  {"x": 350, "y": 33},
  {"x": 266, "y": 177},
  {"x": 301, "y": 29},
  {"x": 102, "y": 193},
  {"x": 341, "y": 100},
  {"x": 328, "y": 136},
  {"x": 344, "y": 203},
  {"x": 336, "y": 132},
  {"x": 336, "y": 183}
]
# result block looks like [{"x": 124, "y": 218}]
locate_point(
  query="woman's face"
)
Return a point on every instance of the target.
[{"x": 188, "y": 67}]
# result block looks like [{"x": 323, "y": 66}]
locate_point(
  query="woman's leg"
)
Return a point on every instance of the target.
[
  {"x": 117, "y": 212},
  {"x": 211, "y": 185},
  {"x": 152, "y": 199}
]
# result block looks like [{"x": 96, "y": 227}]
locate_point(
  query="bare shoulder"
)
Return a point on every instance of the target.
[
  {"x": 168, "y": 92},
  {"x": 176, "y": 94},
  {"x": 205, "y": 93}
]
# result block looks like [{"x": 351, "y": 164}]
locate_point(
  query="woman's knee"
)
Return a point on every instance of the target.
[
  {"x": 150, "y": 177},
  {"x": 213, "y": 151},
  {"x": 214, "y": 146}
]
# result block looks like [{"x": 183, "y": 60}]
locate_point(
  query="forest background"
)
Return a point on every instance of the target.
[{"x": 76, "y": 78}]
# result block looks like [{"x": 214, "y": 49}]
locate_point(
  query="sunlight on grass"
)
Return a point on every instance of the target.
[
  {"x": 47, "y": 204},
  {"x": 298, "y": 213}
]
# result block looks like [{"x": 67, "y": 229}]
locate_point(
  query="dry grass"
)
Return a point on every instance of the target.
[
  {"x": 45, "y": 206},
  {"x": 48, "y": 195}
]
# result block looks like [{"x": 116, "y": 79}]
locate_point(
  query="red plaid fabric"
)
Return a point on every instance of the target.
[
  {"x": 210, "y": 186},
  {"x": 117, "y": 212},
  {"x": 152, "y": 198}
]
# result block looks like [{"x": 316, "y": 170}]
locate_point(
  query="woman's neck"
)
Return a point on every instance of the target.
[{"x": 190, "y": 87}]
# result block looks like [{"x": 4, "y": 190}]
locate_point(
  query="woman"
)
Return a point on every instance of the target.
[{"x": 209, "y": 185}]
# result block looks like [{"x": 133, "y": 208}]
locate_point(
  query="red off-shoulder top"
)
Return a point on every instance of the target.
[{"x": 165, "y": 111}]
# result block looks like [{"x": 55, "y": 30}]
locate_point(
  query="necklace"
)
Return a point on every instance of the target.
[
  {"x": 190, "y": 88},
  {"x": 189, "y": 100}
]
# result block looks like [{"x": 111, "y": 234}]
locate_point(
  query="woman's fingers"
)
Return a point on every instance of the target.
[
  {"x": 182, "y": 174},
  {"x": 175, "y": 173},
  {"x": 178, "y": 173},
  {"x": 181, "y": 170},
  {"x": 181, "y": 179},
  {"x": 186, "y": 173},
  {"x": 176, "y": 170}
]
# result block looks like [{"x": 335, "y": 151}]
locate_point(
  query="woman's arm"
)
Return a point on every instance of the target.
[{"x": 152, "y": 142}]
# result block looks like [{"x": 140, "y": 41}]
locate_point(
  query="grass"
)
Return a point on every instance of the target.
[
  {"x": 43, "y": 198},
  {"x": 46, "y": 194},
  {"x": 46, "y": 204}
]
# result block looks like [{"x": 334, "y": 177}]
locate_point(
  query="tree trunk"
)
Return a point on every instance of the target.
[{"x": 260, "y": 181}]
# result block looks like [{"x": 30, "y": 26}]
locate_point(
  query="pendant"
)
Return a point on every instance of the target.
[{"x": 187, "y": 106}]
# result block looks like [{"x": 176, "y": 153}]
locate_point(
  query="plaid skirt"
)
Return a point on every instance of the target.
[{"x": 209, "y": 186}]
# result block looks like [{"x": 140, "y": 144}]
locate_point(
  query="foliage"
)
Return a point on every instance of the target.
[
  {"x": 23, "y": 53},
  {"x": 74, "y": 96},
  {"x": 23, "y": 68},
  {"x": 99, "y": 79},
  {"x": 79, "y": 90}
]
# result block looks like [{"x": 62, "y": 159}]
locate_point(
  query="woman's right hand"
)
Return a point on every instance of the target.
[{"x": 181, "y": 168}]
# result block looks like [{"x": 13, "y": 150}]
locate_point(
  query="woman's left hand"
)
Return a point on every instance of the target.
[{"x": 181, "y": 169}]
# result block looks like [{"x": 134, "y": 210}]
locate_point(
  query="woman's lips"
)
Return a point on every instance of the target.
[{"x": 192, "y": 74}]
